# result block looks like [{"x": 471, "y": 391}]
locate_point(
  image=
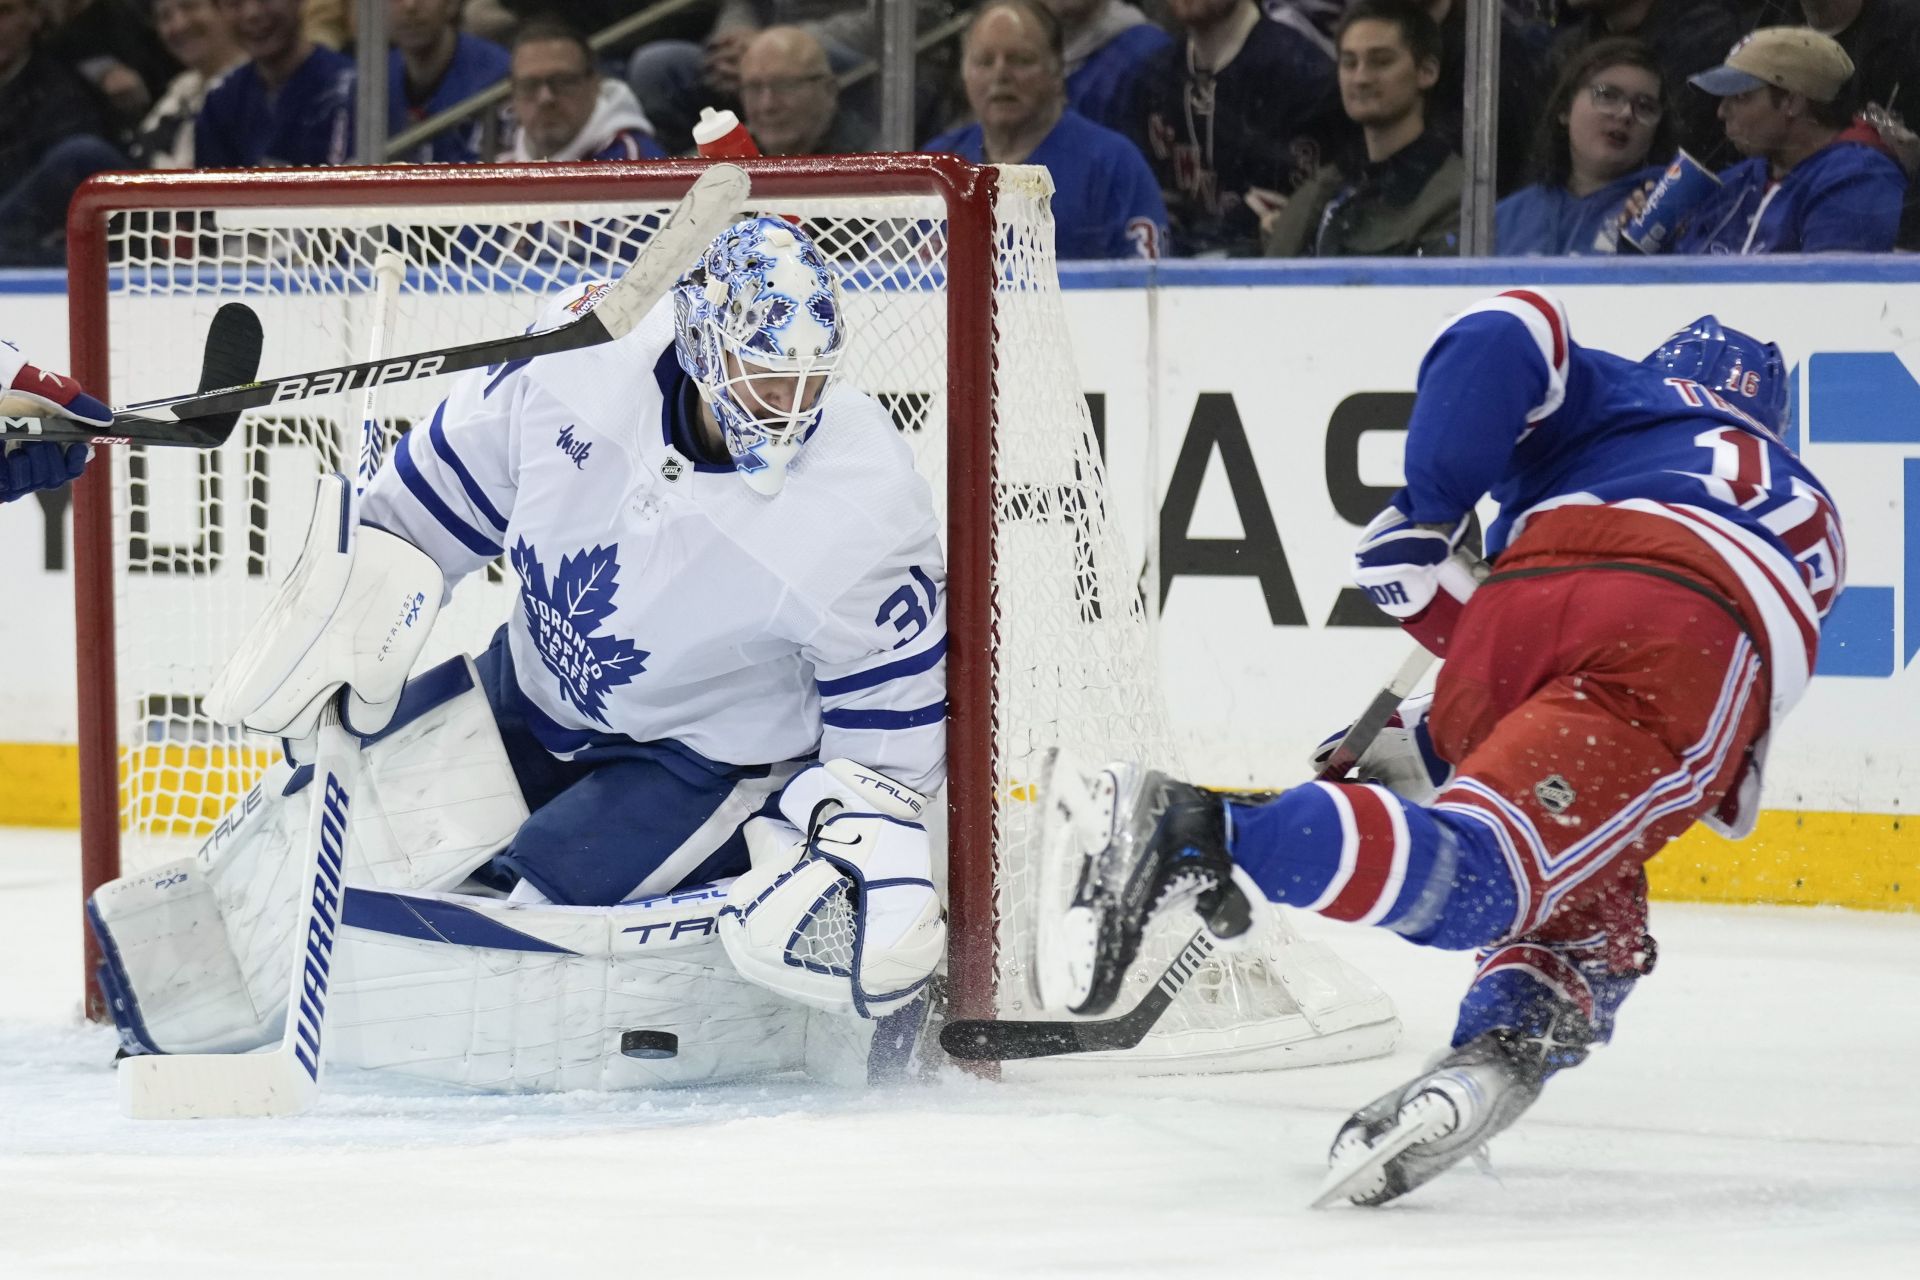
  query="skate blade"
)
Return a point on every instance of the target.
[
  {"x": 1075, "y": 822},
  {"x": 1347, "y": 1177}
]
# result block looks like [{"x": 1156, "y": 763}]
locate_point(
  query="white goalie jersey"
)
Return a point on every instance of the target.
[{"x": 659, "y": 596}]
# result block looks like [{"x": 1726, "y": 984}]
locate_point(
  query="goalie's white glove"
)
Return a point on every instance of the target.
[
  {"x": 354, "y": 611},
  {"x": 839, "y": 911}
]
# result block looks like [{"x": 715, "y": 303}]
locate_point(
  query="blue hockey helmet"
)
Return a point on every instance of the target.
[
  {"x": 758, "y": 329},
  {"x": 1740, "y": 368}
]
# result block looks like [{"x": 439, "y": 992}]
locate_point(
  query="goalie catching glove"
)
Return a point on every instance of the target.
[
  {"x": 354, "y": 611},
  {"x": 839, "y": 911}
]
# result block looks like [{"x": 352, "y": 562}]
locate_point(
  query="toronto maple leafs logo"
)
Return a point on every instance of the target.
[{"x": 562, "y": 621}]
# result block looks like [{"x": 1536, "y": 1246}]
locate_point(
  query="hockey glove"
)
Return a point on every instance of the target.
[
  {"x": 28, "y": 392},
  {"x": 1402, "y": 759},
  {"x": 39, "y": 464},
  {"x": 1412, "y": 573}
]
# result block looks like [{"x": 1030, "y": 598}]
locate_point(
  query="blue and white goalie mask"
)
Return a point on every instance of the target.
[{"x": 758, "y": 329}]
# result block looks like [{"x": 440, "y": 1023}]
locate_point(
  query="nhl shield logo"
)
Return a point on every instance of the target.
[
  {"x": 1554, "y": 793},
  {"x": 671, "y": 468}
]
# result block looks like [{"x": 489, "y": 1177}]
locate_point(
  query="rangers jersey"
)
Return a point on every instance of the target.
[
  {"x": 662, "y": 599},
  {"x": 1510, "y": 406}
]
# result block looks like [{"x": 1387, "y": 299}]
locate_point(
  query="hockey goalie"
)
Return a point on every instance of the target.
[{"x": 680, "y": 794}]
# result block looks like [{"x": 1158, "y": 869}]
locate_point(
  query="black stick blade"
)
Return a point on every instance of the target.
[
  {"x": 232, "y": 359},
  {"x": 1007, "y": 1041}
]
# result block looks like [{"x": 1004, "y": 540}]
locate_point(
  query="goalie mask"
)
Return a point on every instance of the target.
[
  {"x": 758, "y": 329},
  {"x": 1745, "y": 371}
]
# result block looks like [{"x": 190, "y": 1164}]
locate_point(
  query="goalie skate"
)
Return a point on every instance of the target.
[
  {"x": 1145, "y": 845},
  {"x": 1414, "y": 1133}
]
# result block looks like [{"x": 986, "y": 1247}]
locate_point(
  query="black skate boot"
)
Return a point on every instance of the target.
[
  {"x": 1411, "y": 1134},
  {"x": 1147, "y": 844}
]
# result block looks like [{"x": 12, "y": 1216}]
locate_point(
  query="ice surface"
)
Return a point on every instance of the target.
[{"x": 1756, "y": 1118}]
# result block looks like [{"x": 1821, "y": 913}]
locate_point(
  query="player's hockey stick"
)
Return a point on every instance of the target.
[
  {"x": 707, "y": 207},
  {"x": 1005, "y": 1040},
  {"x": 286, "y": 1080},
  {"x": 231, "y": 356}
]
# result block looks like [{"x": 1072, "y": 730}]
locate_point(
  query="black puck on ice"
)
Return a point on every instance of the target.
[{"x": 649, "y": 1044}]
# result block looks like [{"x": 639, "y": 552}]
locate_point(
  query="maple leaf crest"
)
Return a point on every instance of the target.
[{"x": 562, "y": 621}]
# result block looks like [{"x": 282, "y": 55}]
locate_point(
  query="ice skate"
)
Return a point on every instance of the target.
[
  {"x": 1411, "y": 1134},
  {"x": 1146, "y": 844}
]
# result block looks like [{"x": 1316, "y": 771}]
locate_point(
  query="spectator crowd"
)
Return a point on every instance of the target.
[{"x": 1241, "y": 128}]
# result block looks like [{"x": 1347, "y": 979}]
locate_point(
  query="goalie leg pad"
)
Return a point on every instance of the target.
[
  {"x": 501, "y": 996},
  {"x": 160, "y": 933},
  {"x": 439, "y": 799}
]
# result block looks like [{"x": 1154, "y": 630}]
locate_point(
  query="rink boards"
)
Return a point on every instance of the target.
[{"x": 1253, "y": 416}]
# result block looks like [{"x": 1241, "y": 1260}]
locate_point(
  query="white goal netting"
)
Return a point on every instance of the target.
[{"x": 200, "y": 538}]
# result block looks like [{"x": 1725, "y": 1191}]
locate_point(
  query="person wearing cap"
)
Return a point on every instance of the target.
[{"x": 1814, "y": 179}]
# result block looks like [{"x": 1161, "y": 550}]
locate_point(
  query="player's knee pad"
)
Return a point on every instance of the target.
[
  {"x": 844, "y": 917},
  {"x": 208, "y": 941}
]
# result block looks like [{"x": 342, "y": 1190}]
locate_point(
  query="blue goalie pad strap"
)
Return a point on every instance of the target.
[
  {"x": 435, "y": 920},
  {"x": 117, "y": 990}
]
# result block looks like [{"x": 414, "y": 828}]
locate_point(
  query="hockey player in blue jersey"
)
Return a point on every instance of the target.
[
  {"x": 715, "y": 710},
  {"x": 1660, "y": 566}
]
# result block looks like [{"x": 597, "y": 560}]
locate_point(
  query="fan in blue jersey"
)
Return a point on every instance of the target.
[
  {"x": 1815, "y": 179},
  {"x": 30, "y": 392},
  {"x": 696, "y": 756},
  {"x": 1108, "y": 45},
  {"x": 1660, "y": 567},
  {"x": 432, "y": 66},
  {"x": 1105, "y": 201},
  {"x": 290, "y": 104}
]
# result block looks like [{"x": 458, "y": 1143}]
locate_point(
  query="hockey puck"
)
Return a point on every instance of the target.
[{"x": 649, "y": 1044}]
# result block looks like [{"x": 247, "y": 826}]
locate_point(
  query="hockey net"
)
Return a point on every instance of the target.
[{"x": 957, "y": 328}]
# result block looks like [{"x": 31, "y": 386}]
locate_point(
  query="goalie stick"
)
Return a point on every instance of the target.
[
  {"x": 231, "y": 356},
  {"x": 285, "y": 1081},
  {"x": 203, "y": 419}
]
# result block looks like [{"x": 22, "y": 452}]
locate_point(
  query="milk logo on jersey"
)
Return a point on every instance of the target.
[
  {"x": 574, "y": 447},
  {"x": 563, "y": 618}
]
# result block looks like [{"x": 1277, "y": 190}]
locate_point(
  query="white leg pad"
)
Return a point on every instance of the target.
[
  {"x": 439, "y": 799},
  {"x": 533, "y": 997},
  {"x": 165, "y": 942}
]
